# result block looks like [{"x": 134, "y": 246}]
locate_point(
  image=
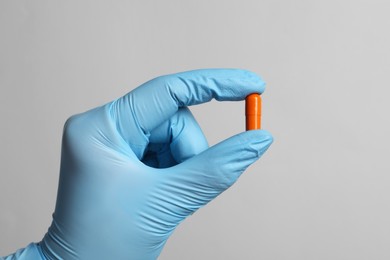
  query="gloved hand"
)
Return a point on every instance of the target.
[{"x": 135, "y": 168}]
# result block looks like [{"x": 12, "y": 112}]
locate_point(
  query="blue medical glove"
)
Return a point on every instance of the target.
[{"x": 135, "y": 168}]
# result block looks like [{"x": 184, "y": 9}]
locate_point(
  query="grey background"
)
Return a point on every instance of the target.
[{"x": 321, "y": 192}]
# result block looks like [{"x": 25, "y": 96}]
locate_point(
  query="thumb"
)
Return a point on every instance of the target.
[
  {"x": 217, "y": 168},
  {"x": 195, "y": 182}
]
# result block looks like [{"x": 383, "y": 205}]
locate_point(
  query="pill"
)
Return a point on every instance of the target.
[{"x": 253, "y": 111}]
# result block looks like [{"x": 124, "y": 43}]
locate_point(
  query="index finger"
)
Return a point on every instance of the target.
[{"x": 158, "y": 99}]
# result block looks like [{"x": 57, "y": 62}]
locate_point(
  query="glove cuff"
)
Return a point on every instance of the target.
[{"x": 32, "y": 251}]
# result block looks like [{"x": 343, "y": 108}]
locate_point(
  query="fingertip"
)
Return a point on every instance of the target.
[
  {"x": 259, "y": 135},
  {"x": 265, "y": 135},
  {"x": 265, "y": 141},
  {"x": 256, "y": 79},
  {"x": 254, "y": 76},
  {"x": 259, "y": 140}
]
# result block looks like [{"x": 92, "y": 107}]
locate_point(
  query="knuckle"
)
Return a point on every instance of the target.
[{"x": 74, "y": 127}]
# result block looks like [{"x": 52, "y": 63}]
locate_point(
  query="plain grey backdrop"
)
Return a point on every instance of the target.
[{"x": 322, "y": 191}]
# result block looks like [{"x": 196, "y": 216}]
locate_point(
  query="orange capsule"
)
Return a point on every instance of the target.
[{"x": 253, "y": 111}]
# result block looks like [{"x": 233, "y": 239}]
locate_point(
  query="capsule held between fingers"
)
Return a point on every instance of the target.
[{"x": 253, "y": 111}]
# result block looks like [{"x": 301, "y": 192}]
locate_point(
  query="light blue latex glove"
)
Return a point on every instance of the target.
[{"x": 135, "y": 168}]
